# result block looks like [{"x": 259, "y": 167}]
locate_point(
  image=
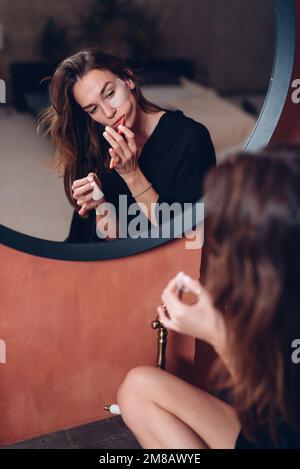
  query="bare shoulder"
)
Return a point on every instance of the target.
[{"x": 160, "y": 114}]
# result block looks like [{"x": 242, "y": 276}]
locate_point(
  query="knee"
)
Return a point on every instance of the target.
[
  {"x": 135, "y": 389},
  {"x": 134, "y": 383}
]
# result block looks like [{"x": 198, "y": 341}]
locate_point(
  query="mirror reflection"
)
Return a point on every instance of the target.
[{"x": 132, "y": 106}]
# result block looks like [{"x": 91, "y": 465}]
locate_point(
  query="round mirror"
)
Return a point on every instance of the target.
[{"x": 210, "y": 63}]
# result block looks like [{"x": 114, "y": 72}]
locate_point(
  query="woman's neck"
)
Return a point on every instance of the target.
[{"x": 144, "y": 125}]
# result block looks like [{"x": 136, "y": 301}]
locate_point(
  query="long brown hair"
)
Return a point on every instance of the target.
[
  {"x": 252, "y": 236},
  {"x": 77, "y": 139}
]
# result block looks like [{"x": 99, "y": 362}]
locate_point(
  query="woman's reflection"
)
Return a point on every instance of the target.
[{"x": 157, "y": 155}]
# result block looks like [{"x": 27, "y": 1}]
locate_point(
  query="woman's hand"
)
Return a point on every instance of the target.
[
  {"x": 83, "y": 190},
  {"x": 124, "y": 153},
  {"x": 199, "y": 320}
]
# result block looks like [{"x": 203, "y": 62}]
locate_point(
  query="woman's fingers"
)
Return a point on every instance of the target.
[
  {"x": 91, "y": 196},
  {"x": 88, "y": 206},
  {"x": 86, "y": 199},
  {"x": 192, "y": 285},
  {"x": 130, "y": 137},
  {"x": 173, "y": 284},
  {"x": 170, "y": 295},
  {"x": 166, "y": 322},
  {"x": 171, "y": 301},
  {"x": 116, "y": 141},
  {"x": 83, "y": 190},
  {"x": 129, "y": 134},
  {"x": 82, "y": 211},
  {"x": 114, "y": 155},
  {"x": 80, "y": 182},
  {"x": 96, "y": 179},
  {"x": 83, "y": 185},
  {"x": 170, "y": 298},
  {"x": 185, "y": 282},
  {"x": 116, "y": 147}
]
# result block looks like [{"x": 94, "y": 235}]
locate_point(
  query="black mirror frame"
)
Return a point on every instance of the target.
[{"x": 274, "y": 103}]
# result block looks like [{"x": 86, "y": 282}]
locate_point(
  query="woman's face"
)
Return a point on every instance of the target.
[{"x": 106, "y": 98}]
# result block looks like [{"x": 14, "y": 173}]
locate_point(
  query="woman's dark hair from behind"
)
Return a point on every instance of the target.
[
  {"x": 77, "y": 139},
  {"x": 252, "y": 236}
]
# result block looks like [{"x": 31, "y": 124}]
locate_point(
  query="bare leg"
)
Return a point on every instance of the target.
[
  {"x": 150, "y": 424},
  {"x": 164, "y": 411}
]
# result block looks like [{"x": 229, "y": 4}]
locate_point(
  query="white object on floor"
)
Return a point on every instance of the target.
[{"x": 114, "y": 409}]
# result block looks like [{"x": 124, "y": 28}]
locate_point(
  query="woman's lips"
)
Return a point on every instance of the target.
[{"x": 118, "y": 122}]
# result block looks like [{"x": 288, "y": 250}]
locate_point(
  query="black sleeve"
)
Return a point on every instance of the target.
[
  {"x": 83, "y": 230},
  {"x": 197, "y": 157}
]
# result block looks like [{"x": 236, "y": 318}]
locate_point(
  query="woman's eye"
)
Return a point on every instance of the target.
[
  {"x": 93, "y": 110},
  {"x": 110, "y": 94}
]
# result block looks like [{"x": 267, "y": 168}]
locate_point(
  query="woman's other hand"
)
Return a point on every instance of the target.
[
  {"x": 123, "y": 152},
  {"x": 84, "y": 190},
  {"x": 200, "y": 320}
]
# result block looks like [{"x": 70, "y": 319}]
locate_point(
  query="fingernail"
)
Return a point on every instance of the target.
[
  {"x": 90, "y": 179},
  {"x": 186, "y": 278},
  {"x": 180, "y": 275}
]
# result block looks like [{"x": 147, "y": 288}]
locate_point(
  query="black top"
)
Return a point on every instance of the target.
[
  {"x": 289, "y": 438},
  {"x": 175, "y": 159}
]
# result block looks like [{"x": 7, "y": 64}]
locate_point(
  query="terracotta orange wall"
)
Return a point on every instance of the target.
[{"x": 73, "y": 330}]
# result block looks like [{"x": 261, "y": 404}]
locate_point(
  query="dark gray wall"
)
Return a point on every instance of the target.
[{"x": 230, "y": 41}]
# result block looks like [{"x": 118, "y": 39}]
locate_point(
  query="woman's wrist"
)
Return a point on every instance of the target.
[
  {"x": 137, "y": 182},
  {"x": 134, "y": 180},
  {"x": 98, "y": 208},
  {"x": 219, "y": 339},
  {"x": 142, "y": 191}
]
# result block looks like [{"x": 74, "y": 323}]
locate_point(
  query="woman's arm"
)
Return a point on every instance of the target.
[
  {"x": 194, "y": 160},
  {"x": 125, "y": 155},
  {"x": 144, "y": 194},
  {"x": 84, "y": 193},
  {"x": 201, "y": 319}
]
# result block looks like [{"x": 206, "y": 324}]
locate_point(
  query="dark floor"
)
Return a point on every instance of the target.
[{"x": 110, "y": 433}]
